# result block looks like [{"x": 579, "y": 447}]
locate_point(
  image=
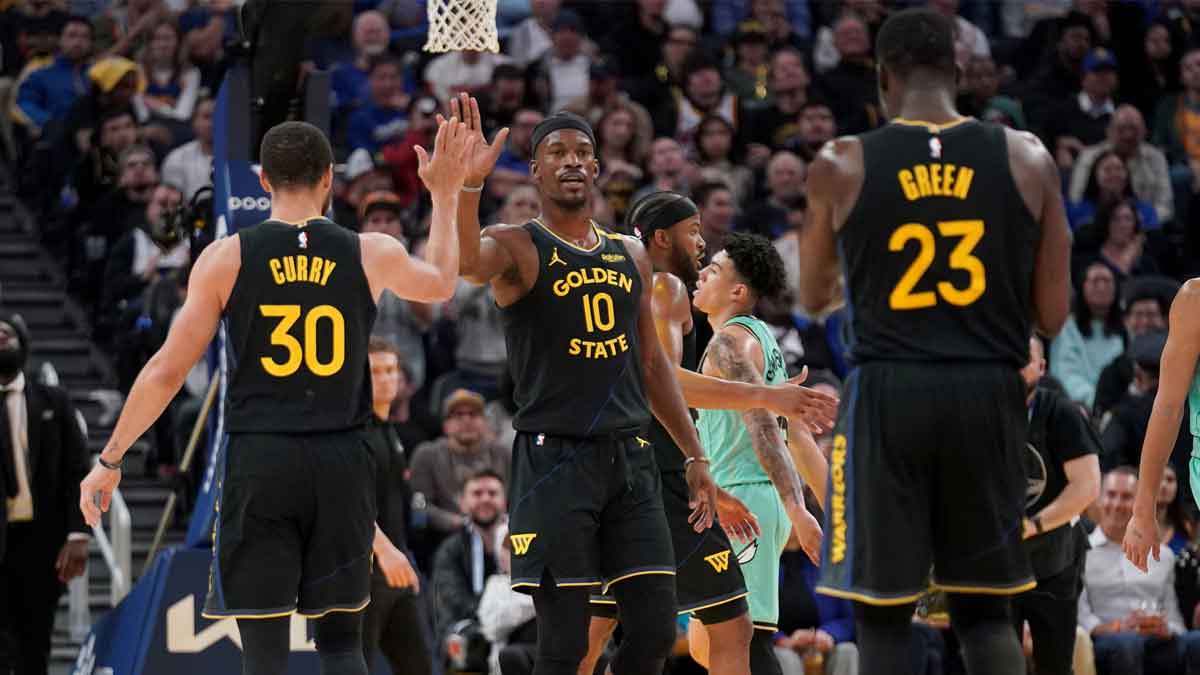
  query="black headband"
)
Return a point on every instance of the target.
[
  {"x": 659, "y": 211},
  {"x": 561, "y": 120}
]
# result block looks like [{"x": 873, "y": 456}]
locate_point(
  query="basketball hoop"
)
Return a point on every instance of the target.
[{"x": 462, "y": 24}]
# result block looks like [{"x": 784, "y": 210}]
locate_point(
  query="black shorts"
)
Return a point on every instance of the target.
[
  {"x": 295, "y": 523},
  {"x": 708, "y": 581},
  {"x": 588, "y": 511},
  {"x": 926, "y": 470}
]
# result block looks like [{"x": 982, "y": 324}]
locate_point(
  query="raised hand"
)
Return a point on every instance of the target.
[
  {"x": 445, "y": 171},
  {"x": 483, "y": 157}
]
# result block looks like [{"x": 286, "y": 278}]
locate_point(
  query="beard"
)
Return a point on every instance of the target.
[
  {"x": 486, "y": 523},
  {"x": 684, "y": 267},
  {"x": 570, "y": 203},
  {"x": 11, "y": 362}
]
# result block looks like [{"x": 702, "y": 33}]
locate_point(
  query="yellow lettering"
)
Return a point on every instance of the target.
[
  {"x": 922, "y": 173},
  {"x": 612, "y": 278},
  {"x": 908, "y": 186},
  {"x": 837, "y": 477},
  {"x": 329, "y": 265},
  {"x": 627, "y": 283},
  {"x": 948, "y": 179},
  {"x": 276, "y": 270},
  {"x": 602, "y": 349},
  {"x": 289, "y": 268},
  {"x": 314, "y": 270},
  {"x": 963, "y": 185},
  {"x": 302, "y": 268},
  {"x": 935, "y": 179}
]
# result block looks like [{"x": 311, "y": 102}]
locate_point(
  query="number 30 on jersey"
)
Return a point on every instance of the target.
[
  {"x": 969, "y": 232},
  {"x": 282, "y": 337}
]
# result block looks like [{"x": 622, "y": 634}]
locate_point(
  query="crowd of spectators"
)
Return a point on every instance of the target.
[{"x": 109, "y": 130}]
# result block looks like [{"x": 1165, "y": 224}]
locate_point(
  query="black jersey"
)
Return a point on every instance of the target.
[
  {"x": 299, "y": 319},
  {"x": 573, "y": 340},
  {"x": 668, "y": 454},
  {"x": 939, "y": 248}
]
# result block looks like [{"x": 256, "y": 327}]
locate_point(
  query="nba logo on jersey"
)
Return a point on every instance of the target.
[
  {"x": 303, "y": 240},
  {"x": 541, "y": 439},
  {"x": 935, "y": 147}
]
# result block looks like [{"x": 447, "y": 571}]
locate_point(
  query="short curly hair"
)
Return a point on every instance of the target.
[{"x": 758, "y": 263}]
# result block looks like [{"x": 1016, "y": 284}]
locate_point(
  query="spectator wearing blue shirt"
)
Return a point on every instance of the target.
[
  {"x": 811, "y": 621},
  {"x": 349, "y": 78},
  {"x": 517, "y": 152},
  {"x": 727, "y": 14},
  {"x": 49, "y": 91},
  {"x": 383, "y": 118},
  {"x": 512, "y": 168}
]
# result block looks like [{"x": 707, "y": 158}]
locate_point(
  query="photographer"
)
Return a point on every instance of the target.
[
  {"x": 139, "y": 259},
  {"x": 142, "y": 289}
]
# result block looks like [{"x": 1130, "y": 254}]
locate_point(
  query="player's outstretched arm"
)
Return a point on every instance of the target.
[
  {"x": 161, "y": 378},
  {"x": 666, "y": 400},
  {"x": 828, "y": 179},
  {"x": 672, "y": 310},
  {"x": 388, "y": 264},
  {"x": 738, "y": 357},
  {"x": 482, "y": 257},
  {"x": 1176, "y": 369}
]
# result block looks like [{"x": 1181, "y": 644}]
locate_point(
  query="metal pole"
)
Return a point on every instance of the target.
[{"x": 168, "y": 513}]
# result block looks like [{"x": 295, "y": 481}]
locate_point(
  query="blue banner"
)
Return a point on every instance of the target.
[{"x": 158, "y": 629}]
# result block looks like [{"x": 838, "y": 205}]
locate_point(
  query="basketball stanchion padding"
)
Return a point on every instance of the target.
[{"x": 462, "y": 24}]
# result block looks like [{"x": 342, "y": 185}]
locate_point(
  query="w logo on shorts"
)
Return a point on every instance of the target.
[
  {"x": 719, "y": 561},
  {"x": 521, "y": 542}
]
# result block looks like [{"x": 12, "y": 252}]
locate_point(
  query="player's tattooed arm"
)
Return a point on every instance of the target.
[{"x": 733, "y": 359}]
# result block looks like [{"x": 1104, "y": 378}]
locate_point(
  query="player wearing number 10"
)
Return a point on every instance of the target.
[
  {"x": 952, "y": 236},
  {"x": 296, "y": 514}
]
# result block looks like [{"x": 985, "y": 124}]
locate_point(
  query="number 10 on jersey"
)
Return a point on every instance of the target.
[{"x": 969, "y": 232}]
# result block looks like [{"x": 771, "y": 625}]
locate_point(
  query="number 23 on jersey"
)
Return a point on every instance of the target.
[
  {"x": 968, "y": 233},
  {"x": 282, "y": 336}
]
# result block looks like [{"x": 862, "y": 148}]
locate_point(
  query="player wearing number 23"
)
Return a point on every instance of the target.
[
  {"x": 953, "y": 242},
  {"x": 297, "y": 294}
]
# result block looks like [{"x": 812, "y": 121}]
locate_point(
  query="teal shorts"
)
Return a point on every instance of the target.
[{"x": 759, "y": 560}]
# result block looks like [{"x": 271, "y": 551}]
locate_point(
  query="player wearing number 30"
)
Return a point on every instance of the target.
[
  {"x": 297, "y": 292},
  {"x": 953, "y": 239}
]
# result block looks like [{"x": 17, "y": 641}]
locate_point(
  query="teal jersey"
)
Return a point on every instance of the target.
[
  {"x": 722, "y": 432},
  {"x": 1194, "y": 412}
]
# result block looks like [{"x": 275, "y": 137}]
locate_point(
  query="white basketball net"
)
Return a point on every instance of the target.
[{"x": 462, "y": 24}]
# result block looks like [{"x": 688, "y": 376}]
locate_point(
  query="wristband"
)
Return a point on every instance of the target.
[
  {"x": 688, "y": 462},
  {"x": 477, "y": 188},
  {"x": 110, "y": 467}
]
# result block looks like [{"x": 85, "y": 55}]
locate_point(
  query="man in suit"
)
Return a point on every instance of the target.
[{"x": 43, "y": 539}]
